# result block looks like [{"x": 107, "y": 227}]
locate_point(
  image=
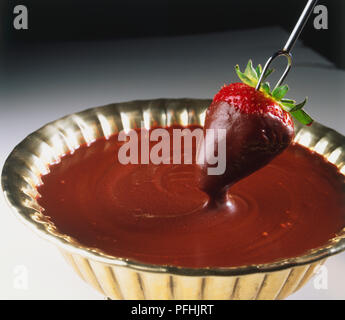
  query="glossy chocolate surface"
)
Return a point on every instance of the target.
[{"x": 157, "y": 214}]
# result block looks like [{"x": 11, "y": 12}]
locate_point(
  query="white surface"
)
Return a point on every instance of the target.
[{"x": 62, "y": 79}]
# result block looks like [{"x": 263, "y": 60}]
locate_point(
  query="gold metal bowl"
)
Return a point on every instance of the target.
[{"x": 119, "y": 278}]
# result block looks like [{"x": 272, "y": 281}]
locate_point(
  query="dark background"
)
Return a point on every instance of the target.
[{"x": 80, "y": 20}]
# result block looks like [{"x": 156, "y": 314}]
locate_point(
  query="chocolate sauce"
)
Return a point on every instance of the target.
[{"x": 157, "y": 214}]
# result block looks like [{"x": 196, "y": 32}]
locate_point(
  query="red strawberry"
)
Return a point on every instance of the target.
[{"x": 258, "y": 127}]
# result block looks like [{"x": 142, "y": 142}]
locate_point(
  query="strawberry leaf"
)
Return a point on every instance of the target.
[
  {"x": 258, "y": 71},
  {"x": 245, "y": 78},
  {"x": 287, "y": 106},
  {"x": 251, "y": 77},
  {"x": 289, "y": 101},
  {"x": 302, "y": 117},
  {"x": 299, "y": 106},
  {"x": 267, "y": 73},
  {"x": 250, "y": 72},
  {"x": 266, "y": 88},
  {"x": 280, "y": 92}
]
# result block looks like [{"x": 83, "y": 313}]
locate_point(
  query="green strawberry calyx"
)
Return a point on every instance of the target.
[{"x": 251, "y": 77}]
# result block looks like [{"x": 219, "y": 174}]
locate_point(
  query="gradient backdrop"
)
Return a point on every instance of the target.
[{"x": 89, "y": 53}]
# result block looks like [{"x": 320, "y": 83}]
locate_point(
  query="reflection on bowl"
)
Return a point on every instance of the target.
[{"x": 119, "y": 278}]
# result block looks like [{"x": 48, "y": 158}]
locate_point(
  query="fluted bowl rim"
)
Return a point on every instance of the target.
[{"x": 26, "y": 160}]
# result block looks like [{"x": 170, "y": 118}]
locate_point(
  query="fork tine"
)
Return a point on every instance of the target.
[
  {"x": 268, "y": 63},
  {"x": 289, "y": 44}
]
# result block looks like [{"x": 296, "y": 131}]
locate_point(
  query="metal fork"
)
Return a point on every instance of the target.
[{"x": 286, "y": 51}]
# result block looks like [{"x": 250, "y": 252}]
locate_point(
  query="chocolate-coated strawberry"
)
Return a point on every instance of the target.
[{"x": 258, "y": 126}]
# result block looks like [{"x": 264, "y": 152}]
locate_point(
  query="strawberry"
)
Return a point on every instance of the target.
[{"x": 258, "y": 126}]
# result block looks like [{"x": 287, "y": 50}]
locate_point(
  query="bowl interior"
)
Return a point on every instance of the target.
[{"x": 31, "y": 158}]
